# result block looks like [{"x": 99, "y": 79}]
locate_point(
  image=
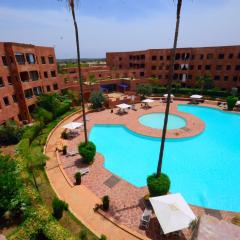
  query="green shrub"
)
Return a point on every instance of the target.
[
  {"x": 231, "y": 102},
  {"x": 144, "y": 90},
  {"x": 64, "y": 150},
  {"x": 83, "y": 235},
  {"x": 105, "y": 202},
  {"x": 87, "y": 151},
  {"x": 78, "y": 177},
  {"x": 58, "y": 207},
  {"x": 42, "y": 115},
  {"x": 158, "y": 186},
  {"x": 64, "y": 135},
  {"x": 103, "y": 237},
  {"x": 97, "y": 100},
  {"x": 10, "y": 133}
]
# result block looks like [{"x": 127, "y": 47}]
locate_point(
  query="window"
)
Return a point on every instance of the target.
[
  {"x": 28, "y": 93},
  {"x": 37, "y": 91},
  {"x": 239, "y": 56},
  {"x": 20, "y": 58},
  {"x": 24, "y": 76},
  {"x": 235, "y": 78},
  {"x": 193, "y": 57},
  {"x": 237, "y": 68},
  {"x": 34, "y": 75},
  {"x": 120, "y": 59},
  {"x": 160, "y": 77},
  {"x": 154, "y": 67},
  {"x": 30, "y": 58},
  {"x": 48, "y": 88},
  {"x": 191, "y": 67},
  {"x": 167, "y": 67},
  {"x": 141, "y": 74},
  {"x": 210, "y": 56},
  {"x": 9, "y": 80},
  {"x": 6, "y": 101},
  {"x": 166, "y": 76},
  {"x": 177, "y": 56},
  {"x": 161, "y": 58},
  {"x": 120, "y": 66},
  {"x": 53, "y": 73},
  {"x": 228, "y": 67},
  {"x": 143, "y": 56},
  {"x": 43, "y": 61},
  {"x": 225, "y": 78},
  {"x": 4, "y": 60},
  {"x": 201, "y": 56},
  {"x": 168, "y": 57},
  {"x": 219, "y": 67},
  {"x": 50, "y": 59},
  {"x": 217, "y": 78},
  {"x": 14, "y": 97},
  {"x": 1, "y": 82},
  {"x": 199, "y": 67},
  {"x": 189, "y": 77},
  {"x": 130, "y": 57},
  {"x": 154, "y": 58},
  {"x": 55, "y": 86},
  {"x": 45, "y": 74},
  {"x": 221, "y": 56},
  {"x": 230, "y": 56},
  {"x": 207, "y": 67}
]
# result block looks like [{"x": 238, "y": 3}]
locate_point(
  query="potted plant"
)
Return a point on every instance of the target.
[
  {"x": 105, "y": 202},
  {"x": 78, "y": 177},
  {"x": 64, "y": 150}
]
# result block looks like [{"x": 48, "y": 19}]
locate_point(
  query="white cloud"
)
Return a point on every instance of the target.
[{"x": 199, "y": 27}]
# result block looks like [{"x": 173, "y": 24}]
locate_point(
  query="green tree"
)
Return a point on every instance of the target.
[
  {"x": 11, "y": 198},
  {"x": 97, "y": 99},
  {"x": 144, "y": 90},
  {"x": 154, "y": 81},
  {"x": 10, "y": 133},
  {"x": 92, "y": 79},
  {"x": 169, "y": 89},
  {"x": 204, "y": 82},
  {"x": 42, "y": 115},
  {"x": 71, "y": 4}
]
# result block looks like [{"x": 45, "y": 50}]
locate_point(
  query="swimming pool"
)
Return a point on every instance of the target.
[
  {"x": 204, "y": 168},
  {"x": 156, "y": 120}
]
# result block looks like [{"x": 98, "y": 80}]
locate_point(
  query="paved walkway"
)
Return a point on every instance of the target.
[{"x": 80, "y": 199}]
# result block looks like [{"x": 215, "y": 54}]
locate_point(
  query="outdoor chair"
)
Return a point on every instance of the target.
[
  {"x": 71, "y": 153},
  {"x": 84, "y": 171},
  {"x": 145, "y": 219}
]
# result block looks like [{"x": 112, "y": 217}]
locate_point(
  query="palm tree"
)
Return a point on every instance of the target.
[
  {"x": 71, "y": 4},
  {"x": 169, "y": 89}
]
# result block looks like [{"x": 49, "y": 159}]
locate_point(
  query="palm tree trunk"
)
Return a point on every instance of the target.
[
  {"x": 171, "y": 72},
  {"x": 79, "y": 71}
]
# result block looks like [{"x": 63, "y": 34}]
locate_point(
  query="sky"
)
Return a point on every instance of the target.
[{"x": 119, "y": 25}]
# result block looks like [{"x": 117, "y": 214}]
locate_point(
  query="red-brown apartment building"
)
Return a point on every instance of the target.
[
  {"x": 25, "y": 72},
  {"x": 221, "y": 63}
]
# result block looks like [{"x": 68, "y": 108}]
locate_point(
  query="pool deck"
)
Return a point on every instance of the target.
[{"x": 126, "y": 200}]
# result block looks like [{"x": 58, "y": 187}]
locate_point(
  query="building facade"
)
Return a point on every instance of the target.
[
  {"x": 222, "y": 64},
  {"x": 26, "y": 71}
]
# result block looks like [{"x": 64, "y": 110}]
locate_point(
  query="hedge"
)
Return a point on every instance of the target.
[{"x": 37, "y": 217}]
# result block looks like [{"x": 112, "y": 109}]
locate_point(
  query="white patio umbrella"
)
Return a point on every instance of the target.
[
  {"x": 123, "y": 106},
  {"x": 148, "y": 100},
  {"x": 238, "y": 103},
  {"x": 165, "y": 95},
  {"x": 73, "y": 125},
  {"x": 195, "y": 96},
  {"x": 172, "y": 211}
]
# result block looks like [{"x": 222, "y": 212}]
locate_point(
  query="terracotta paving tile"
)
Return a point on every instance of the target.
[{"x": 126, "y": 200}]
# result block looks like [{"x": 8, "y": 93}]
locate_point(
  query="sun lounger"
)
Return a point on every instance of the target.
[
  {"x": 71, "y": 153},
  {"x": 84, "y": 171},
  {"x": 145, "y": 219}
]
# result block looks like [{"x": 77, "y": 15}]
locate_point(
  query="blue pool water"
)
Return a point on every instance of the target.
[
  {"x": 204, "y": 168},
  {"x": 155, "y": 120}
]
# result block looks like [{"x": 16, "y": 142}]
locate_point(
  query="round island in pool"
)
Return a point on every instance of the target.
[{"x": 155, "y": 120}]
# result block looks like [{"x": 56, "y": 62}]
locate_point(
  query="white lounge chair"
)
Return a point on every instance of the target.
[
  {"x": 83, "y": 171},
  {"x": 145, "y": 219},
  {"x": 71, "y": 153}
]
